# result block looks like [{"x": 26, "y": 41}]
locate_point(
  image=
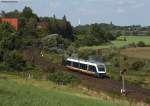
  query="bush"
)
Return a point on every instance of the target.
[
  {"x": 136, "y": 65},
  {"x": 85, "y": 53},
  {"x": 61, "y": 78},
  {"x": 132, "y": 45},
  {"x": 141, "y": 44},
  {"x": 14, "y": 60}
]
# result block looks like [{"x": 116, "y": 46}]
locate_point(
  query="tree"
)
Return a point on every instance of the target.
[
  {"x": 2, "y": 14},
  {"x": 60, "y": 26},
  {"x": 27, "y": 13},
  {"x": 9, "y": 39},
  {"x": 141, "y": 44},
  {"x": 15, "y": 61},
  {"x": 98, "y": 33},
  {"x": 6, "y": 27},
  {"x": 31, "y": 27}
]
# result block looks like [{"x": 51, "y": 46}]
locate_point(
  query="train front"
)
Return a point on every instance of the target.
[{"x": 101, "y": 70}]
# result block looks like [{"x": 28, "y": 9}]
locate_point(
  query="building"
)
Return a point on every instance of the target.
[{"x": 11, "y": 21}]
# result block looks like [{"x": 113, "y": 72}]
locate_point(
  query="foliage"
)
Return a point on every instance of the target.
[
  {"x": 132, "y": 45},
  {"x": 61, "y": 78},
  {"x": 27, "y": 13},
  {"x": 85, "y": 53},
  {"x": 62, "y": 27},
  {"x": 136, "y": 65},
  {"x": 15, "y": 61},
  {"x": 55, "y": 43},
  {"x": 10, "y": 41},
  {"x": 96, "y": 36},
  {"x": 141, "y": 44}
]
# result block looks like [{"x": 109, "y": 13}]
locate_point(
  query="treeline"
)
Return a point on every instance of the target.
[{"x": 134, "y": 30}]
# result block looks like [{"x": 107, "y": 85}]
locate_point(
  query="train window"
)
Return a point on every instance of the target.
[
  {"x": 92, "y": 68},
  {"x": 68, "y": 63},
  {"x": 101, "y": 68},
  {"x": 83, "y": 66},
  {"x": 75, "y": 64}
]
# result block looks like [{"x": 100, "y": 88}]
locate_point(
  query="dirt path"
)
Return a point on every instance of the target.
[{"x": 108, "y": 85}]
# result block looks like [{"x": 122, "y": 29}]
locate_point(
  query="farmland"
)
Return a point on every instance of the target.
[
  {"x": 142, "y": 53},
  {"x": 119, "y": 42}
]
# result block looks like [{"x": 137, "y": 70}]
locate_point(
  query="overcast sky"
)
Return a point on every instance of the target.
[{"x": 120, "y": 12}]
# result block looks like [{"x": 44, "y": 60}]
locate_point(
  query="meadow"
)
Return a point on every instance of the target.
[
  {"x": 20, "y": 92},
  {"x": 120, "y": 42}
]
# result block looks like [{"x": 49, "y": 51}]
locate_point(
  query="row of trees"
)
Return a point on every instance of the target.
[{"x": 135, "y": 30}]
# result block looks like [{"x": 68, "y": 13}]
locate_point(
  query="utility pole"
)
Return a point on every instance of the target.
[
  {"x": 122, "y": 75},
  {"x": 123, "y": 90}
]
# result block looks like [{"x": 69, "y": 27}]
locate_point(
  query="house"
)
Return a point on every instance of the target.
[{"x": 11, "y": 21}]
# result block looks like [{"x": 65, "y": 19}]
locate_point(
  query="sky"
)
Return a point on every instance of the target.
[{"x": 119, "y": 12}]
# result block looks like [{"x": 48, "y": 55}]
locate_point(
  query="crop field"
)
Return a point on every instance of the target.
[
  {"x": 20, "y": 93},
  {"x": 120, "y": 42},
  {"x": 142, "y": 53}
]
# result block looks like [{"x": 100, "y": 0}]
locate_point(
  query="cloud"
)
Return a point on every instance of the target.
[
  {"x": 139, "y": 5},
  {"x": 120, "y": 10},
  {"x": 131, "y": 3}
]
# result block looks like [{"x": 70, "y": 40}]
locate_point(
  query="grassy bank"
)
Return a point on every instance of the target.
[{"x": 20, "y": 92}]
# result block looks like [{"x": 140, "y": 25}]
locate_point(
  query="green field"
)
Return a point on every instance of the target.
[
  {"x": 120, "y": 43},
  {"x": 19, "y": 92}
]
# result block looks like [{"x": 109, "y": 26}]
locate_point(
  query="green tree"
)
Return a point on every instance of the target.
[
  {"x": 15, "y": 61},
  {"x": 31, "y": 27},
  {"x": 27, "y": 13}
]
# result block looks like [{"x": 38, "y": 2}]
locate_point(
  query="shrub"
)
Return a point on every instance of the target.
[
  {"x": 136, "y": 65},
  {"x": 85, "y": 53},
  {"x": 141, "y": 44},
  {"x": 132, "y": 45},
  {"x": 14, "y": 60},
  {"x": 61, "y": 78}
]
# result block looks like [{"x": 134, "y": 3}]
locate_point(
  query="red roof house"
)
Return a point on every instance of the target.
[{"x": 11, "y": 21}]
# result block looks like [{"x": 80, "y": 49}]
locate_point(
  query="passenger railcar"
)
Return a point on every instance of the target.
[{"x": 98, "y": 69}]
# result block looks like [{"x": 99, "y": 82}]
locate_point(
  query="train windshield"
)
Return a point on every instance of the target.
[{"x": 101, "y": 68}]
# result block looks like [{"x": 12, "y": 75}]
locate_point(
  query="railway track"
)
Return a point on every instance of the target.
[
  {"x": 96, "y": 84},
  {"x": 113, "y": 86}
]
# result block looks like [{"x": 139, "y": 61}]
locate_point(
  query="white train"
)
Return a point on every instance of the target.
[{"x": 93, "y": 68}]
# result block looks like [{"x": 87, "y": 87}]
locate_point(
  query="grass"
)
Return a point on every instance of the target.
[
  {"x": 120, "y": 43},
  {"x": 19, "y": 92}
]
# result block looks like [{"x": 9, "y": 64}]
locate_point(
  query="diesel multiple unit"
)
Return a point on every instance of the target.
[{"x": 93, "y": 68}]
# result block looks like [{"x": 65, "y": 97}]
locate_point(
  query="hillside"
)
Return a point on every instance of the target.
[{"x": 21, "y": 92}]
